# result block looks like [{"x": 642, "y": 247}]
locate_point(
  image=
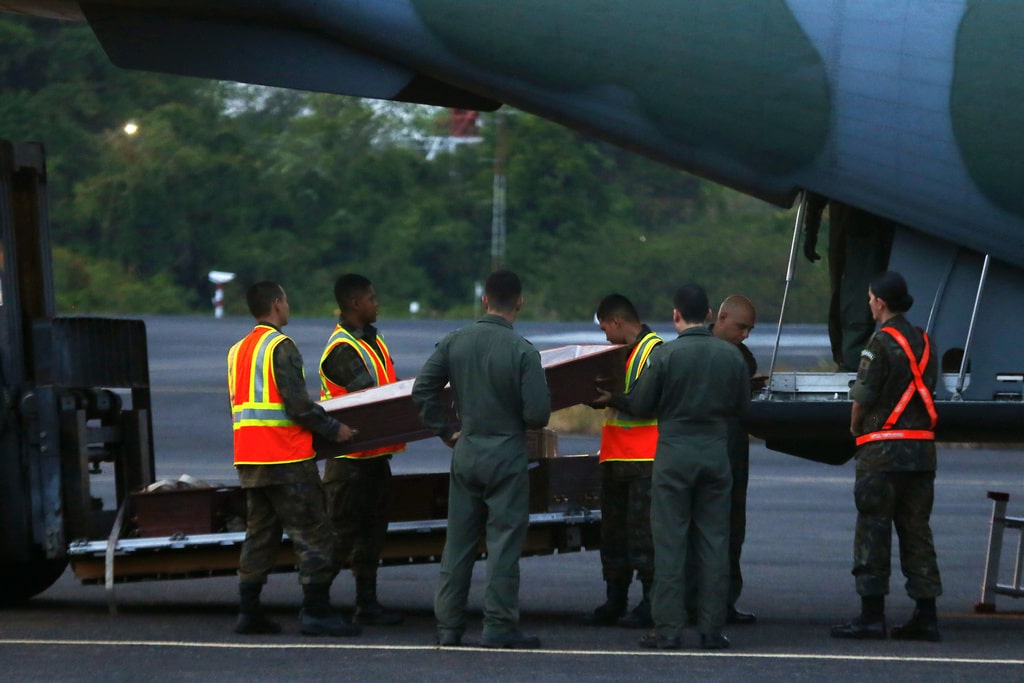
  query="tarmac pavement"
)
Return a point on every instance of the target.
[{"x": 796, "y": 564}]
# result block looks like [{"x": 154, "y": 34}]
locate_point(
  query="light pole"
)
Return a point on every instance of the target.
[{"x": 498, "y": 230}]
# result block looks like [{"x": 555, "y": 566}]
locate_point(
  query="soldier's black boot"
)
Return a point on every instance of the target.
[
  {"x": 614, "y": 606},
  {"x": 923, "y": 624},
  {"x": 868, "y": 625},
  {"x": 369, "y": 612},
  {"x": 640, "y": 617},
  {"x": 251, "y": 618},
  {"x": 316, "y": 617}
]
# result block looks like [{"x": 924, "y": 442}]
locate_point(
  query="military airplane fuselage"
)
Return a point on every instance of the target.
[{"x": 912, "y": 110}]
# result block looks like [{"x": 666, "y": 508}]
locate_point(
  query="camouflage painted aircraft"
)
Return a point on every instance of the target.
[{"x": 910, "y": 110}]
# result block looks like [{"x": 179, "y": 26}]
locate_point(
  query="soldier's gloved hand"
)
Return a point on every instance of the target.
[
  {"x": 811, "y": 246},
  {"x": 815, "y": 205}
]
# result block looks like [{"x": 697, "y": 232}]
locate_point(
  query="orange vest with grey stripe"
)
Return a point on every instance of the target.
[
  {"x": 263, "y": 432},
  {"x": 624, "y": 437},
  {"x": 916, "y": 386},
  {"x": 381, "y": 369}
]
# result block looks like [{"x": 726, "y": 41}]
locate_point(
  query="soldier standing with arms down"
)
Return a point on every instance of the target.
[
  {"x": 694, "y": 384},
  {"x": 859, "y": 244},
  {"x": 735, "y": 322},
  {"x": 358, "y": 485},
  {"x": 273, "y": 420},
  {"x": 893, "y": 420},
  {"x": 500, "y": 391},
  {"x": 627, "y": 455}
]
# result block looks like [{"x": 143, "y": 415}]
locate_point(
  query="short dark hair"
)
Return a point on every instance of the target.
[
  {"x": 348, "y": 287},
  {"x": 261, "y": 297},
  {"x": 692, "y": 303},
  {"x": 616, "y": 305},
  {"x": 891, "y": 288},
  {"x": 503, "y": 289}
]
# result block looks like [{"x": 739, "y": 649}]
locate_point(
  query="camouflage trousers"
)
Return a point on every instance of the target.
[
  {"x": 626, "y": 544},
  {"x": 297, "y": 508},
  {"x": 358, "y": 497},
  {"x": 903, "y": 500}
]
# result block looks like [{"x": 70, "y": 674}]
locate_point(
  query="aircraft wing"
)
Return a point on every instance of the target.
[
  {"x": 913, "y": 111},
  {"x": 264, "y": 52}
]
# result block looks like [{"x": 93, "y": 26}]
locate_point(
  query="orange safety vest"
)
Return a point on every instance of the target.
[
  {"x": 263, "y": 432},
  {"x": 624, "y": 437},
  {"x": 916, "y": 386},
  {"x": 380, "y": 367}
]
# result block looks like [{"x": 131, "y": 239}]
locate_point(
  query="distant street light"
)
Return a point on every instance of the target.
[{"x": 131, "y": 128}]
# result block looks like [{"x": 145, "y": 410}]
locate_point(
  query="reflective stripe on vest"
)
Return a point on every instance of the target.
[
  {"x": 916, "y": 386},
  {"x": 380, "y": 367},
  {"x": 624, "y": 437},
  {"x": 263, "y": 432}
]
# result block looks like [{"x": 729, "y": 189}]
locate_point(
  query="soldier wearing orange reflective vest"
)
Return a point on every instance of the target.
[
  {"x": 627, "y": 454},
  {"x": 358, "y": 485},
  {"x": 273, "y": 421},
  {"x": 893, "y": 421}
]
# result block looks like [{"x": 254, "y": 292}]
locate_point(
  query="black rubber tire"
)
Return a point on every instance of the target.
[{"x": 20, "y": 582}]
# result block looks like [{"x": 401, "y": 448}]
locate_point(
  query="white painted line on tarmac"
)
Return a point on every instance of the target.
[{"x": 575, "y": 653}]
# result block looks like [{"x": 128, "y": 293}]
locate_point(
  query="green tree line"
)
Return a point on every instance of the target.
[{"x": 300, "y": 187}]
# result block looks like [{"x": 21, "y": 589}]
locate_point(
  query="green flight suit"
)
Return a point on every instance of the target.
[
  {"x": 694, "y": 385},
  {"x": 500, "y": 391},
  {"x": 739, "y": 464},
  {"x": 859, "y": 245}
]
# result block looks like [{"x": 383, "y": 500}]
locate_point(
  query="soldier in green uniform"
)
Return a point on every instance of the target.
[
  {"x": 273, "y": 418},
  {"x": 893, "y": 420},
  {"x": 734, "y": 323},
  {"x": 500, "y": 391},
  {"x": 858, "y": 247},
  {"x": 694, "y": 384}
]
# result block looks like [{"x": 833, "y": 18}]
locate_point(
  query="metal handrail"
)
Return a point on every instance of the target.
[
  {"x": 940, "y": 291},
  {"x": 801, "y": 209},
  {"x": 957, "y": 395}
]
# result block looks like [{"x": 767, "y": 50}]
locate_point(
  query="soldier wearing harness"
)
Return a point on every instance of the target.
[{"x": 893, "y": 421}]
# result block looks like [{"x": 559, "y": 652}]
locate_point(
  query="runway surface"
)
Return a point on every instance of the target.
[{"x": 796, "y": 565}]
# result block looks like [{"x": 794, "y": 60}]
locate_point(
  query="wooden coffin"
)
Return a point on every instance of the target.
[
  {"x": 386, "y": 415},
  {"x": 563, "y": 484},
  {"x": 204, "y": 510}
]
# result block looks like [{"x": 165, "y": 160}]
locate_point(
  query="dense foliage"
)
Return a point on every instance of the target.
[{"x": 300, "y": 187}]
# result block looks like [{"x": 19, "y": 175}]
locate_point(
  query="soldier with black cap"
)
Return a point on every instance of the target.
[{"x": 893, "y": 421}]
